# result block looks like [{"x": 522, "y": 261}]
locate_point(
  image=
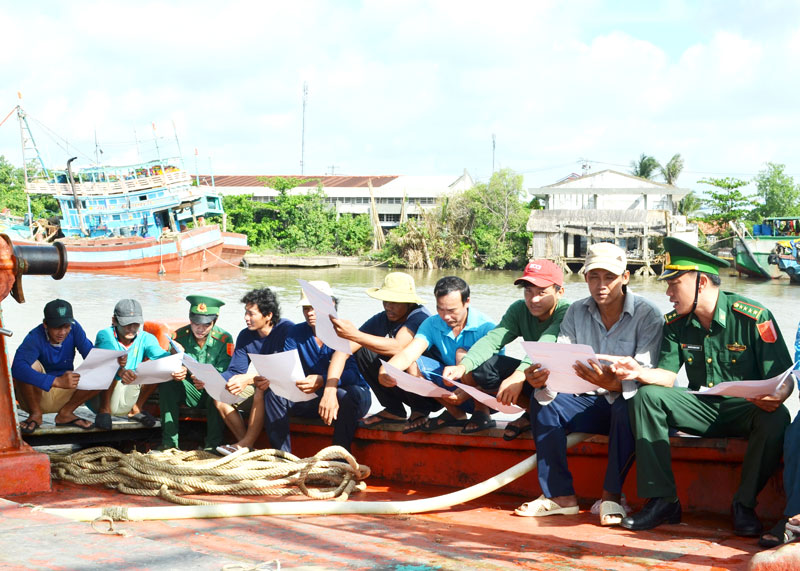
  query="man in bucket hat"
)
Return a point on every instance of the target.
[
  {"x": 612, "y": 321},
  {"x": 716, "y": 336},
  {"x": 382, "y": 336}
]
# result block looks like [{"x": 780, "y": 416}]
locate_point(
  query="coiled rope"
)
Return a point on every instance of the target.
[{"x": 332, "y": 473}]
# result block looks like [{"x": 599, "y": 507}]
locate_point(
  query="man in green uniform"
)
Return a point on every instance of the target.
[
  {"x": 206, "y": 343},
  {"x": 717, "y": 336}
]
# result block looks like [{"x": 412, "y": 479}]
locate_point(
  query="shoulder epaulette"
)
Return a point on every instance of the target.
[
  {"x": 221, "y": 336},
  {"x": 748, "y": 309},
  {"x": 181, "y": 331},
  {"x": 672, "y": 317}
]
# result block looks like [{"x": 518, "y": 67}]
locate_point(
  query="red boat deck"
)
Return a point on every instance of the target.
[{"x": 483, "y": 534}]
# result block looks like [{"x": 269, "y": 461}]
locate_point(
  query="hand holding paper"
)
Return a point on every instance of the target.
[
  {"x": 751, "y": 389},
  {"x": 213, "y": 382},
  {"x": 158, "y": 370},
  {"x": 559, "y": 358},
  {"x": 414, "y": 384},
  {"x": 283, "y": 370},
  {"x": 98, "y": 369}
]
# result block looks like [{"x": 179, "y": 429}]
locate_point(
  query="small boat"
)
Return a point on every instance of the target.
[
  {"x": 751, "y": 253},
  {"x": 787, "y": 257}
]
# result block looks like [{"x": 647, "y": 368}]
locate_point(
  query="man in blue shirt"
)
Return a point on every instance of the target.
[
  {"x": 124, "y": 335},
  {"x": 339, "y": 401},
  {"x": 454, "y": 329},
  {"x": 264, "y": 334},
  {"x": 382, "y": 336},
  {"x": 43, "y": 365}
]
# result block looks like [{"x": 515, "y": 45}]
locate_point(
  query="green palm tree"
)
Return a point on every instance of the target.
[
  {"x": 672, "y": 170},
  {"x": 690, "y": 205},
  {"x": 645, "y": 167}
]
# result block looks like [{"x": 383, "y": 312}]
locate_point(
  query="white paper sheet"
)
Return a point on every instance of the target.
[
  {"x": 414, "y": 384},
  {"x": 158, "y": 370},
  {"x": 559, "y": 358},
  {"x": 283, "y": 371},
  {"x": 214, "y": 383},
  {"x": 323, "y": 308},
  {"x": 98, "y": 369},
  {"x": 750, "y": 389},
  {"x": 488, "y": 400}
]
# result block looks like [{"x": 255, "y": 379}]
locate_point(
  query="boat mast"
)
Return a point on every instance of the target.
[
  {"x": 75, "y": 196},
  {"x": 21, "y": 115}
]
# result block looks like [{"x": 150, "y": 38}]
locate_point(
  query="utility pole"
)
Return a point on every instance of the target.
[
  {"x": 494, "y": 146},
  {"x": 303, "y": 133},
  {"x": 333, "y": 169}
]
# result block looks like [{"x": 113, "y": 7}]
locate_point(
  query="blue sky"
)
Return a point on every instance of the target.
[{"x": 409, "y": 87}]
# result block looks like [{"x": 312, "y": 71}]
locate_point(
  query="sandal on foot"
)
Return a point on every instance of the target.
[
  {"x": 77, "y": 422},
  {"x": 227, "y": 449},
  {"x": 542, "y": 506},
  {"x": 783, "y": 532},
  {"x": 103, "y": 421},
  {"x": 443, "y": 420},
  {"x": 29, "y": 426},
  {"x": 482, "y": 422},
  {"x": 514, "y": 430},
  {"x": 144, "y": 418},
  {"x": 415, "y": 422},
  {"x": 612, "y": 513},
  {"x": 375, "y": 420}
]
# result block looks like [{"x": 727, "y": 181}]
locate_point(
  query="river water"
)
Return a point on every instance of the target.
[{"x": 163, "y": 297}]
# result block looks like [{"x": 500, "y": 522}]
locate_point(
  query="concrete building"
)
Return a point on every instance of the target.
[
  {"x": 606, "y": 206},
  {"x": 396, "y": 196}
]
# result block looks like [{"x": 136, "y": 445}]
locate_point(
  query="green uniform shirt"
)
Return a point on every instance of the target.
[
  {"x": 216, "y": 351},
  {"x": 737, "y": 347},
  {"x": 517, "y": 322}
]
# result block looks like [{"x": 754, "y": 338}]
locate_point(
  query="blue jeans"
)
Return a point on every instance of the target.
[
  {"x": 551, "y": 423},
  {"x": 354, "y": 402},
  {"x": 791, "y": 468}
]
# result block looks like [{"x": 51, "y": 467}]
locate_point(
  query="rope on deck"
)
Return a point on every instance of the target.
[{"x": 332, "y": 473}]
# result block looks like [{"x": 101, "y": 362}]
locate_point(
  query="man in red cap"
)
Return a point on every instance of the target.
[{"x": 537, "y": 317}]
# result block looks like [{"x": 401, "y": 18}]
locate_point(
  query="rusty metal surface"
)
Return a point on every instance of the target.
[{"x": 483, "y": 534}]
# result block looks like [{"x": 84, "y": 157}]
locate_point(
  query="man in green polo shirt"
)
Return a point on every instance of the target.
[
  {"x": 717, "y": 336},
  {"x": 208, "y": 344}
]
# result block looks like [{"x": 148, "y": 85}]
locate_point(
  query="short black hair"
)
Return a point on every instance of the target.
[
  {"x": 449, "y": 284},
  {"x": 713, "y": 278},
  {"x": 266, "y": 300}
]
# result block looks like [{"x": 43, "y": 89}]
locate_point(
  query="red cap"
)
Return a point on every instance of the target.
[{"x": 541, "y": 273}]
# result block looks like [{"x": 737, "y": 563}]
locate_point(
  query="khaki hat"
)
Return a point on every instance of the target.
[
  {"x": 322, "y": 286},
  {"x": 606, "y": 256},
  {"x": 397, "y": 287}
]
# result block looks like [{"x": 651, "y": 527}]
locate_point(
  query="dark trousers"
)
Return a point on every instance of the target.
[
  {"x": 791, "y": 468},
  {"x": 354, "y": 402},
  {"x": 174, "y": 393},
  {"x": 391, "y": 398},
  {"x": 657, "y": 409},
  {"x": 567, "y": 413}
]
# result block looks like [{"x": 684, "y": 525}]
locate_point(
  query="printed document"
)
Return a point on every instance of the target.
[
  {"x": 158, "y": 370},
  {"x": 414, "y": 384},
  {"x": 559, "y": 358},
  {"x": 283, "y": 371},
  {"x": 750, "y": 389},
  {"x": 324, "y": 310},
  {"x": 214, "y": 383},
  {"x": 98, "y": 369}
]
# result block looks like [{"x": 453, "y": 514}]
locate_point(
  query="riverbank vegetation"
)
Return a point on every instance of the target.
[{"x": 13, "y": 198}]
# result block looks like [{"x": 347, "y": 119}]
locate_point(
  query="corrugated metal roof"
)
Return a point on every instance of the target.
[{"x": 329, "y": 181}]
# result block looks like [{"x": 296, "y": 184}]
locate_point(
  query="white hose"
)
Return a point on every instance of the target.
[{"x": 311, "y": 507}]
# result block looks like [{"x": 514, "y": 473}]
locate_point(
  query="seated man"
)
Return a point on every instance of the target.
[
  {"x": 339, "y": 401},
  {"x": 205, "y": 343},
  {"x": 717, "y": 336},
  {"x": 43, "y": 365},
  {"x": 124, "y": 335},
  {"x": 612, "y": 321},
  {"x": 265, "y": 333},
  {"x": 382, "y": 336},
  {"x": 452, "y": 331},
  {"x": 535, "y": 318}
]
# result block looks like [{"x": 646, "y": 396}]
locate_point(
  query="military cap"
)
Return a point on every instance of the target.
[
  {"x": 205, "y": 309},
  {"x": 683, "y": 257}
]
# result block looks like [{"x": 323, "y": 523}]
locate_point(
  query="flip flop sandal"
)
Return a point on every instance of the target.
[
  {"x": 541, "y": 507},
  {"x": 443, "y": 420},
  {"x": 415, "y": 423},
  {"x": 482, "y": 422},
  {"x": 103, "y": 421},
  {"x": 514, "y": 430},
  {"x": 29, "y": 426},
  {"x": 612, "y": 513},
  {"x": 76, "y": 422},
  {"x": 371, "y": 422},
  {"x": 144, "y": 418}
]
